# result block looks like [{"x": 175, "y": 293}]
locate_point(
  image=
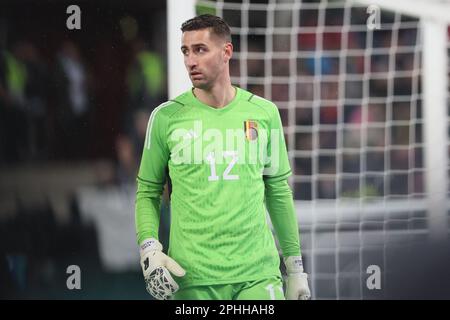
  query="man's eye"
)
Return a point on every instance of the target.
[{"x": 201, "y": 50}]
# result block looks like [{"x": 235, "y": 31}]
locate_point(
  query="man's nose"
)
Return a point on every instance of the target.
[{"x": 191, "y": 61}]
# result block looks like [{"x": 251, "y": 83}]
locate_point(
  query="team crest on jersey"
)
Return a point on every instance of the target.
[{"x": 251, "y": 129}]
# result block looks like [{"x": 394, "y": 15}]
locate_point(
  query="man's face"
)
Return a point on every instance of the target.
[{"x": 205, "y": 57}]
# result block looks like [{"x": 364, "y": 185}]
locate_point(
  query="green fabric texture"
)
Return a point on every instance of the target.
[
  {"x": 264, "y": 289},
  {"x": 225, "y": 172}
]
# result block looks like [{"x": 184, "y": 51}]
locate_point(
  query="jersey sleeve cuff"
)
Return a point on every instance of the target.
[
  {"x": 278, "y": 177},
  {"x": 149, "y": 182}
]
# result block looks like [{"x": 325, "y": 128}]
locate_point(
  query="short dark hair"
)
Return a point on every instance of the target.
[{"x": 216, "y": 25}]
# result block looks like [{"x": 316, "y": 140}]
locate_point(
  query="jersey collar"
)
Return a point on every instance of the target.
[{"x": 218, "y": 111}]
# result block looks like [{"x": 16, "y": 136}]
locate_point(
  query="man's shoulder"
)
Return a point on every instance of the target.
[
  {"x": 170, "y": 107},
  {"x": 183, "y": 98},
  {"x": 261, "y": 102}
]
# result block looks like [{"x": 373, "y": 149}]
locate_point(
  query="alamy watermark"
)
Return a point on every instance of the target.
[
  {"x": 374, "y": 20},
  {"x": 250, "y": 146},
  {"x": 374, "y": 280},
  {"x": 74, "y": 280},
  {"x": 74, "y": 20}
]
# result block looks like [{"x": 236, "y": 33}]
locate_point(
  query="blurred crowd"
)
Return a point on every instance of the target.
[
  {"x": 48, "y": 110},
  {"x": 73, "y": 118}
]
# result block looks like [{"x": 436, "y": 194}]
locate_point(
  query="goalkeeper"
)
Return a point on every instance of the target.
[{"x": 221, "y": 246}]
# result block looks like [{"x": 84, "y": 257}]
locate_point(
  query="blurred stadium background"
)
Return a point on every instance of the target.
[{"x": 367, "y": 123}]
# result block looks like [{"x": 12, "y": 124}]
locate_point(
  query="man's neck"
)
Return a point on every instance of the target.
[{"x": 217, "y": 97}]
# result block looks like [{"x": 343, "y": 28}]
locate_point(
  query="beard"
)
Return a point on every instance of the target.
[{"x": 203, "y": 84}]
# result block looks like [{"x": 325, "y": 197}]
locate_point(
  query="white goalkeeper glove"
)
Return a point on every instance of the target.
[
  {"x": 156, "y": 266},
  {"x": 297, "y": 281}
]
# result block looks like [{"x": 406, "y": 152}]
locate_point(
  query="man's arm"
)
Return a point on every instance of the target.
[
  {"x": 148, "y": 203},
  {"x": 151, "y": 178},
  {"x": 156, "y": 266},
  {"x": 278, "y": 194},
  {"x": 280, "y": 204}
]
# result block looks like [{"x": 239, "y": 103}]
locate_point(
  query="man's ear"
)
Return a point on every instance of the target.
[{"x": 228, "y": 51}]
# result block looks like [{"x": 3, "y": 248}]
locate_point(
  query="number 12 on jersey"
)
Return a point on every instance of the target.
[{"x": 226, "y": 174}]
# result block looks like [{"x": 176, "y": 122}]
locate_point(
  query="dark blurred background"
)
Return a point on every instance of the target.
[{"x": 74, "y": 106}]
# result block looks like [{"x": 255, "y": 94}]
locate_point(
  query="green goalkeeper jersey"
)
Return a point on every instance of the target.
[{"x": 218, "y": 160}]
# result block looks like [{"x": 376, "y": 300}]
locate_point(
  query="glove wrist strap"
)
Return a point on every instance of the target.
[
  {"x": 150, "y": 244},
  {"x": 294, "y": 264}
]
